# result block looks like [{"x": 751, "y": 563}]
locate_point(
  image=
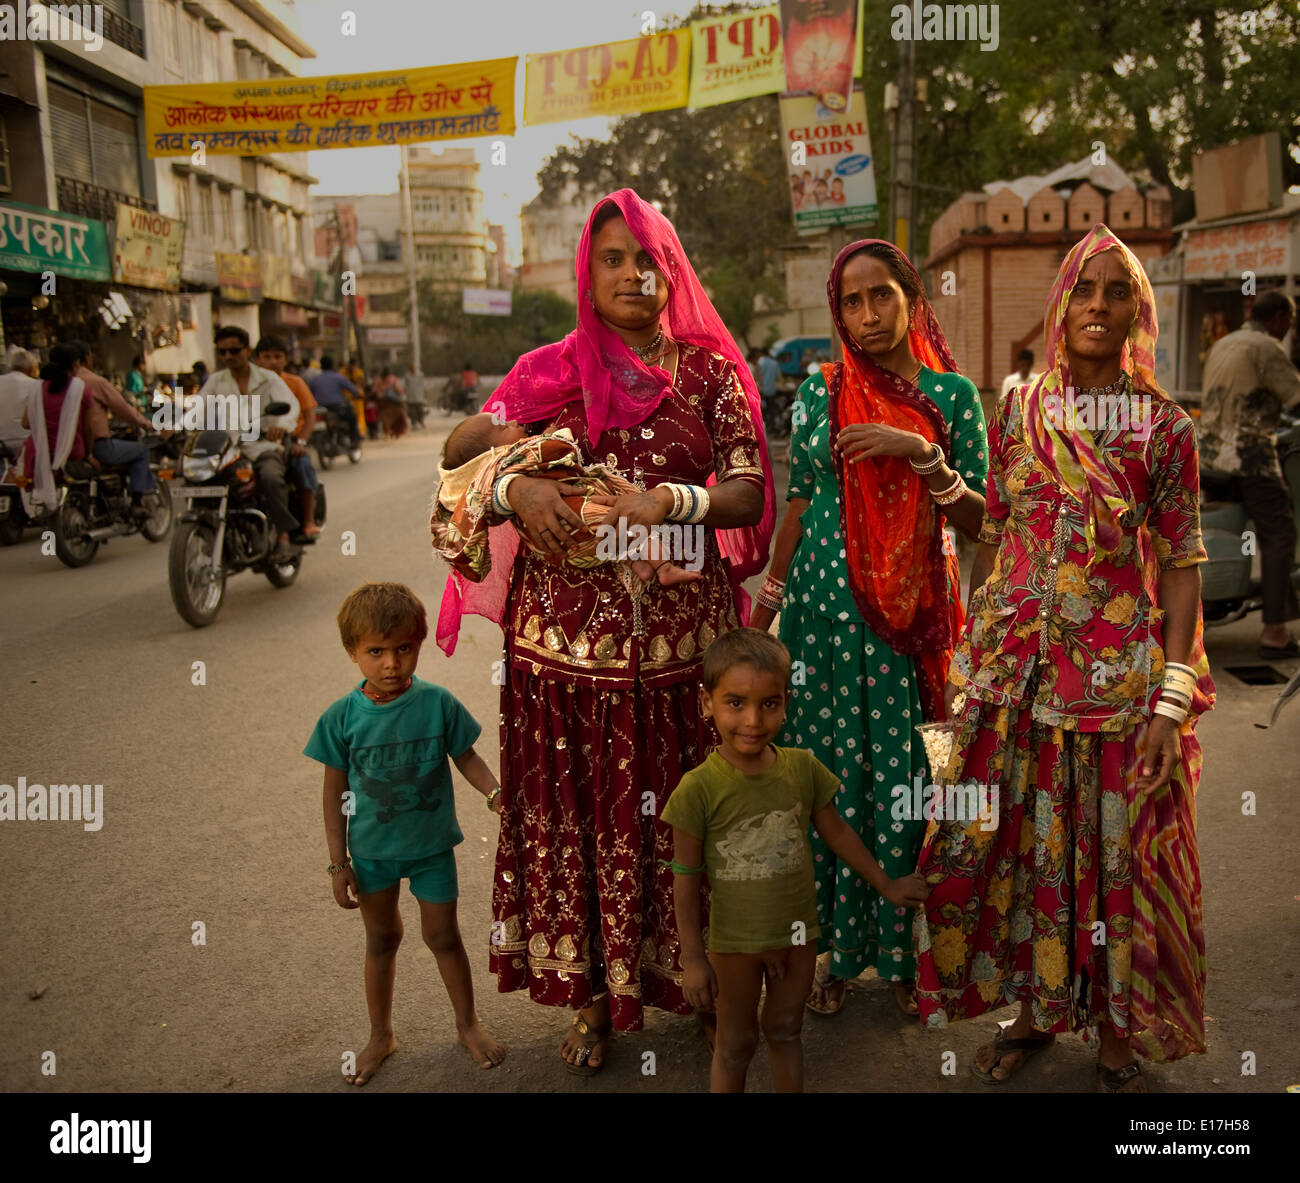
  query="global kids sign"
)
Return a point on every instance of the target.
[{"x": 828, "y": 157}]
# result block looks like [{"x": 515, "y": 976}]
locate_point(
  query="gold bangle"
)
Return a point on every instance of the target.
[{"x": 492, "y": 798}]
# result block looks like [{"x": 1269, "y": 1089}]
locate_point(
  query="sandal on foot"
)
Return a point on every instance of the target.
[
  {"x": 1113, "y": 1080},
  {"x": 1004, "y": 1046},
  {"x": 909, "y": 1007},
  {"x": 820, "y": 1001},
  {"x": 591, "y": 1036}
]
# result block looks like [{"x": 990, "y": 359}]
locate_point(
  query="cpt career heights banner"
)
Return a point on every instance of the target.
[{"x": 344, "y": 111}]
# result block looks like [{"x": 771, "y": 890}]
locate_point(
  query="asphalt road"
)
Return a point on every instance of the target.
[{"x": 211, "y": 816}]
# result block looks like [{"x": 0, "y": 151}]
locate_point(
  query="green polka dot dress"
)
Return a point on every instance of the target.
[{"x": 854, "y": 701}]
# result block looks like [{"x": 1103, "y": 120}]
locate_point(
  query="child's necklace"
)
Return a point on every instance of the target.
[{"x": 377, "y": 697}]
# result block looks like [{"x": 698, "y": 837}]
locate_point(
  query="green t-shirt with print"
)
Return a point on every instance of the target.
[
  {"x": 396, "y": 757},
  {"x": 755, "y": 835}
]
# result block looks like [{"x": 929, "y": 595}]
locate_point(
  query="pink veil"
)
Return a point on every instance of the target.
[{"x": 619, "y": 391}]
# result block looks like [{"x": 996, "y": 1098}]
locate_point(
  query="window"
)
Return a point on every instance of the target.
[
  {"x": 207, "y": 220},
  {"x": 183, "y": 199},
  {"x": 227, "y": 230},
  {"x": 437, "y": 203},
  {"x": 451, "y": 204},
  {"x": 93, "y": 141}
]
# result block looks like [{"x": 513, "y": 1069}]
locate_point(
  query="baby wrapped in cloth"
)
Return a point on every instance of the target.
[{"x": 481, "y": 450}]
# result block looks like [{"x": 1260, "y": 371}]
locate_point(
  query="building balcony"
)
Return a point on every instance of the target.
[
  {"x": 94, "y": 201},
  {"x": 117, "y": 29}
]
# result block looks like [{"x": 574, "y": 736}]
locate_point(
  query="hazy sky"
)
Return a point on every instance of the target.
[{"x": 392, "y": 34}]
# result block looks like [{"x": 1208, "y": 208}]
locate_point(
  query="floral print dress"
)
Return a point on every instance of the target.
[
  {"x": 1061, "y": 902},
  {"x": 854, "y": 701}
]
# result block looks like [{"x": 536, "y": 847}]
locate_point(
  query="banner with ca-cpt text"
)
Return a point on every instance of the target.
[
  {"x": 736, "y": 56},
  {"x": 621, "y": 78},
  {"x": 344, "y": 111}
]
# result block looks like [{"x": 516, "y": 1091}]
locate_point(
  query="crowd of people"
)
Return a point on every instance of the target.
[{"x": 700, "y": 816}]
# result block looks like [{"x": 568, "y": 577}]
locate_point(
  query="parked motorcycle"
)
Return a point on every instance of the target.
[
  {"x": 95, "y": 505},
  {"x": 1228, "y": 591},
  {"x": 331, "y": 438},
  {"x": 223, "y": 529}
]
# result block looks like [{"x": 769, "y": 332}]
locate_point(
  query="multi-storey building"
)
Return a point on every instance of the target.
[
  {"x": 551, "y": 229},
  {"x": 72, "y": 141}
]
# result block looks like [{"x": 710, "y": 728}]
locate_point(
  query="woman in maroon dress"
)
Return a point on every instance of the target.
[{"x": 600, "y": 713}]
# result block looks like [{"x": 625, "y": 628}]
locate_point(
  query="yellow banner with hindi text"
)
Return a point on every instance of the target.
[
  {"x": 344, "y": 111},
  {"x": 622, "y": 78}
]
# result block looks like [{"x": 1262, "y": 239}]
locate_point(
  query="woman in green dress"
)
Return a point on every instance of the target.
[{"x": 885, "y": 446}]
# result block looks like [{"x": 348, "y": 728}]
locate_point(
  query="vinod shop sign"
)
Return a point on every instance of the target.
[{"x": 36, "y": 239}]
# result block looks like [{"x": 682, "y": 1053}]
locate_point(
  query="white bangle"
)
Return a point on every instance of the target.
[
  {"x": 499, "y": 488},
  {"x": 1170, "y": 710}
]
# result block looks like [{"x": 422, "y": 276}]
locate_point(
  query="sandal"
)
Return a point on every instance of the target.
[
  {"x": 1004, "y": 1046},
  {"x": 820, "y": 1001},
  {"x": 591, "y": 1036},
  {"x": 905, "y": 998},
  {"x": 1113, "y": 1080}
]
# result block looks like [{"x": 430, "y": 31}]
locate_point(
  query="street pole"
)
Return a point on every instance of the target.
[
  {"x": 343, "y": 300},
  {"x": 903, "y": 166},
  {"x": 409, "y": 217}
]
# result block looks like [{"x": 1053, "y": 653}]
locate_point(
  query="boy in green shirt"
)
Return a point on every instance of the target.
[
  {"x": 388, "y": 800},
  {"x": 742, "y": 816}
]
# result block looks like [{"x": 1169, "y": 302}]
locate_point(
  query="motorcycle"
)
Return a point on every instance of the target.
[
  {"x": 95, "y": 505},
  {"x": 223, "y": 530},
  {"x": 1228, "y": 591},
  {"x": 455, "y": 399},
  {"x": 331, "y": 438}
]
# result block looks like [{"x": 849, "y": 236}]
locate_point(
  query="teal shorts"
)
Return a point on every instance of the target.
[{"x": 433, "y": 878}]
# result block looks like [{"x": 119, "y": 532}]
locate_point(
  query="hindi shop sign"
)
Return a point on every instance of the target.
[
  {"x": 36, "y": 239},
  {"x": 345, "y": 111},
  {"x": 835, "y": 183},
  {"x": 147, "y": 252},
  {"x": 485, "y": 301},
  {"x": 736, "y": 56},
  {"x": 240, "y": 277},
  {"x": 1224, "y": 252},
  {"x": 621, "y": 78}
]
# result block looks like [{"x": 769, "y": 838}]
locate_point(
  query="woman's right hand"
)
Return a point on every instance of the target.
[
  {"x": 539, "y": 506},
  {"x": 699, "y": 983},
  {"x": 761, "y": 617}
]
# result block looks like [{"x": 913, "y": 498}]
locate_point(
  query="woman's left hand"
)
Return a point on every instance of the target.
[
  {"x": 637, "y": 509},
  {"x": 1163, "y": 751},
  {"x": 861, "y": 441}
]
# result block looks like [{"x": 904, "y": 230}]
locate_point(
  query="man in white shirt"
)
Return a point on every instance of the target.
[
  {"x": 16, "y": 387},
  {"x": 1023, "y": 375},
  {"x": 239, "y": 377}
]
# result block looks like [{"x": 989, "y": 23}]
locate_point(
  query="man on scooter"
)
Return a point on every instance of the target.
[
  {"x": 1248, "y": 381},
  {"x": 327, "y": 388},
  {"x": 239, "y": 377}
]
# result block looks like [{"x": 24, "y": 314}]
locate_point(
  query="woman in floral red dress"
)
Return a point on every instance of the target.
[
  {"x": 600, "y": 712},
  {"x": 1084, "y": 673}
]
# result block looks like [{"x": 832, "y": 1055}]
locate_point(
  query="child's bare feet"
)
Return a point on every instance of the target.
[
  {"x": 671, "y": 573},
  {"x": 486, "y": 1051},
  {"x": 372, "y": 1055}
]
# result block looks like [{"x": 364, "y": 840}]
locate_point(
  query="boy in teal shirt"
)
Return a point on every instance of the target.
[{"x": 389, "y": 802}]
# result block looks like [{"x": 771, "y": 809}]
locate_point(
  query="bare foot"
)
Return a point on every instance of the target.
[
  {"x": 372, "y": 1055},
  {"x": 574, "y": 1049},
  {"x": 486, "y": 1051},
  {"x": 905, "y": 997},
  {"x": 671, "y": 573}
]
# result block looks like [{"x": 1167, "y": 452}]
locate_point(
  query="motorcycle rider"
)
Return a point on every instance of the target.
[
  {"x": 238, "y": 376},
  {"x": 16, "y": 386},
  {"x": 1248, "y": 381},
  {"x": 104, "y": 399},
  {"x": 272, "y": 355},
  {"x": 327, "y": 387}
]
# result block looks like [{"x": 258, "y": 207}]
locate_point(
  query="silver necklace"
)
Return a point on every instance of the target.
[
  {"x": 654, "y": 351},
  {"x": 1117, "y": 387}
]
